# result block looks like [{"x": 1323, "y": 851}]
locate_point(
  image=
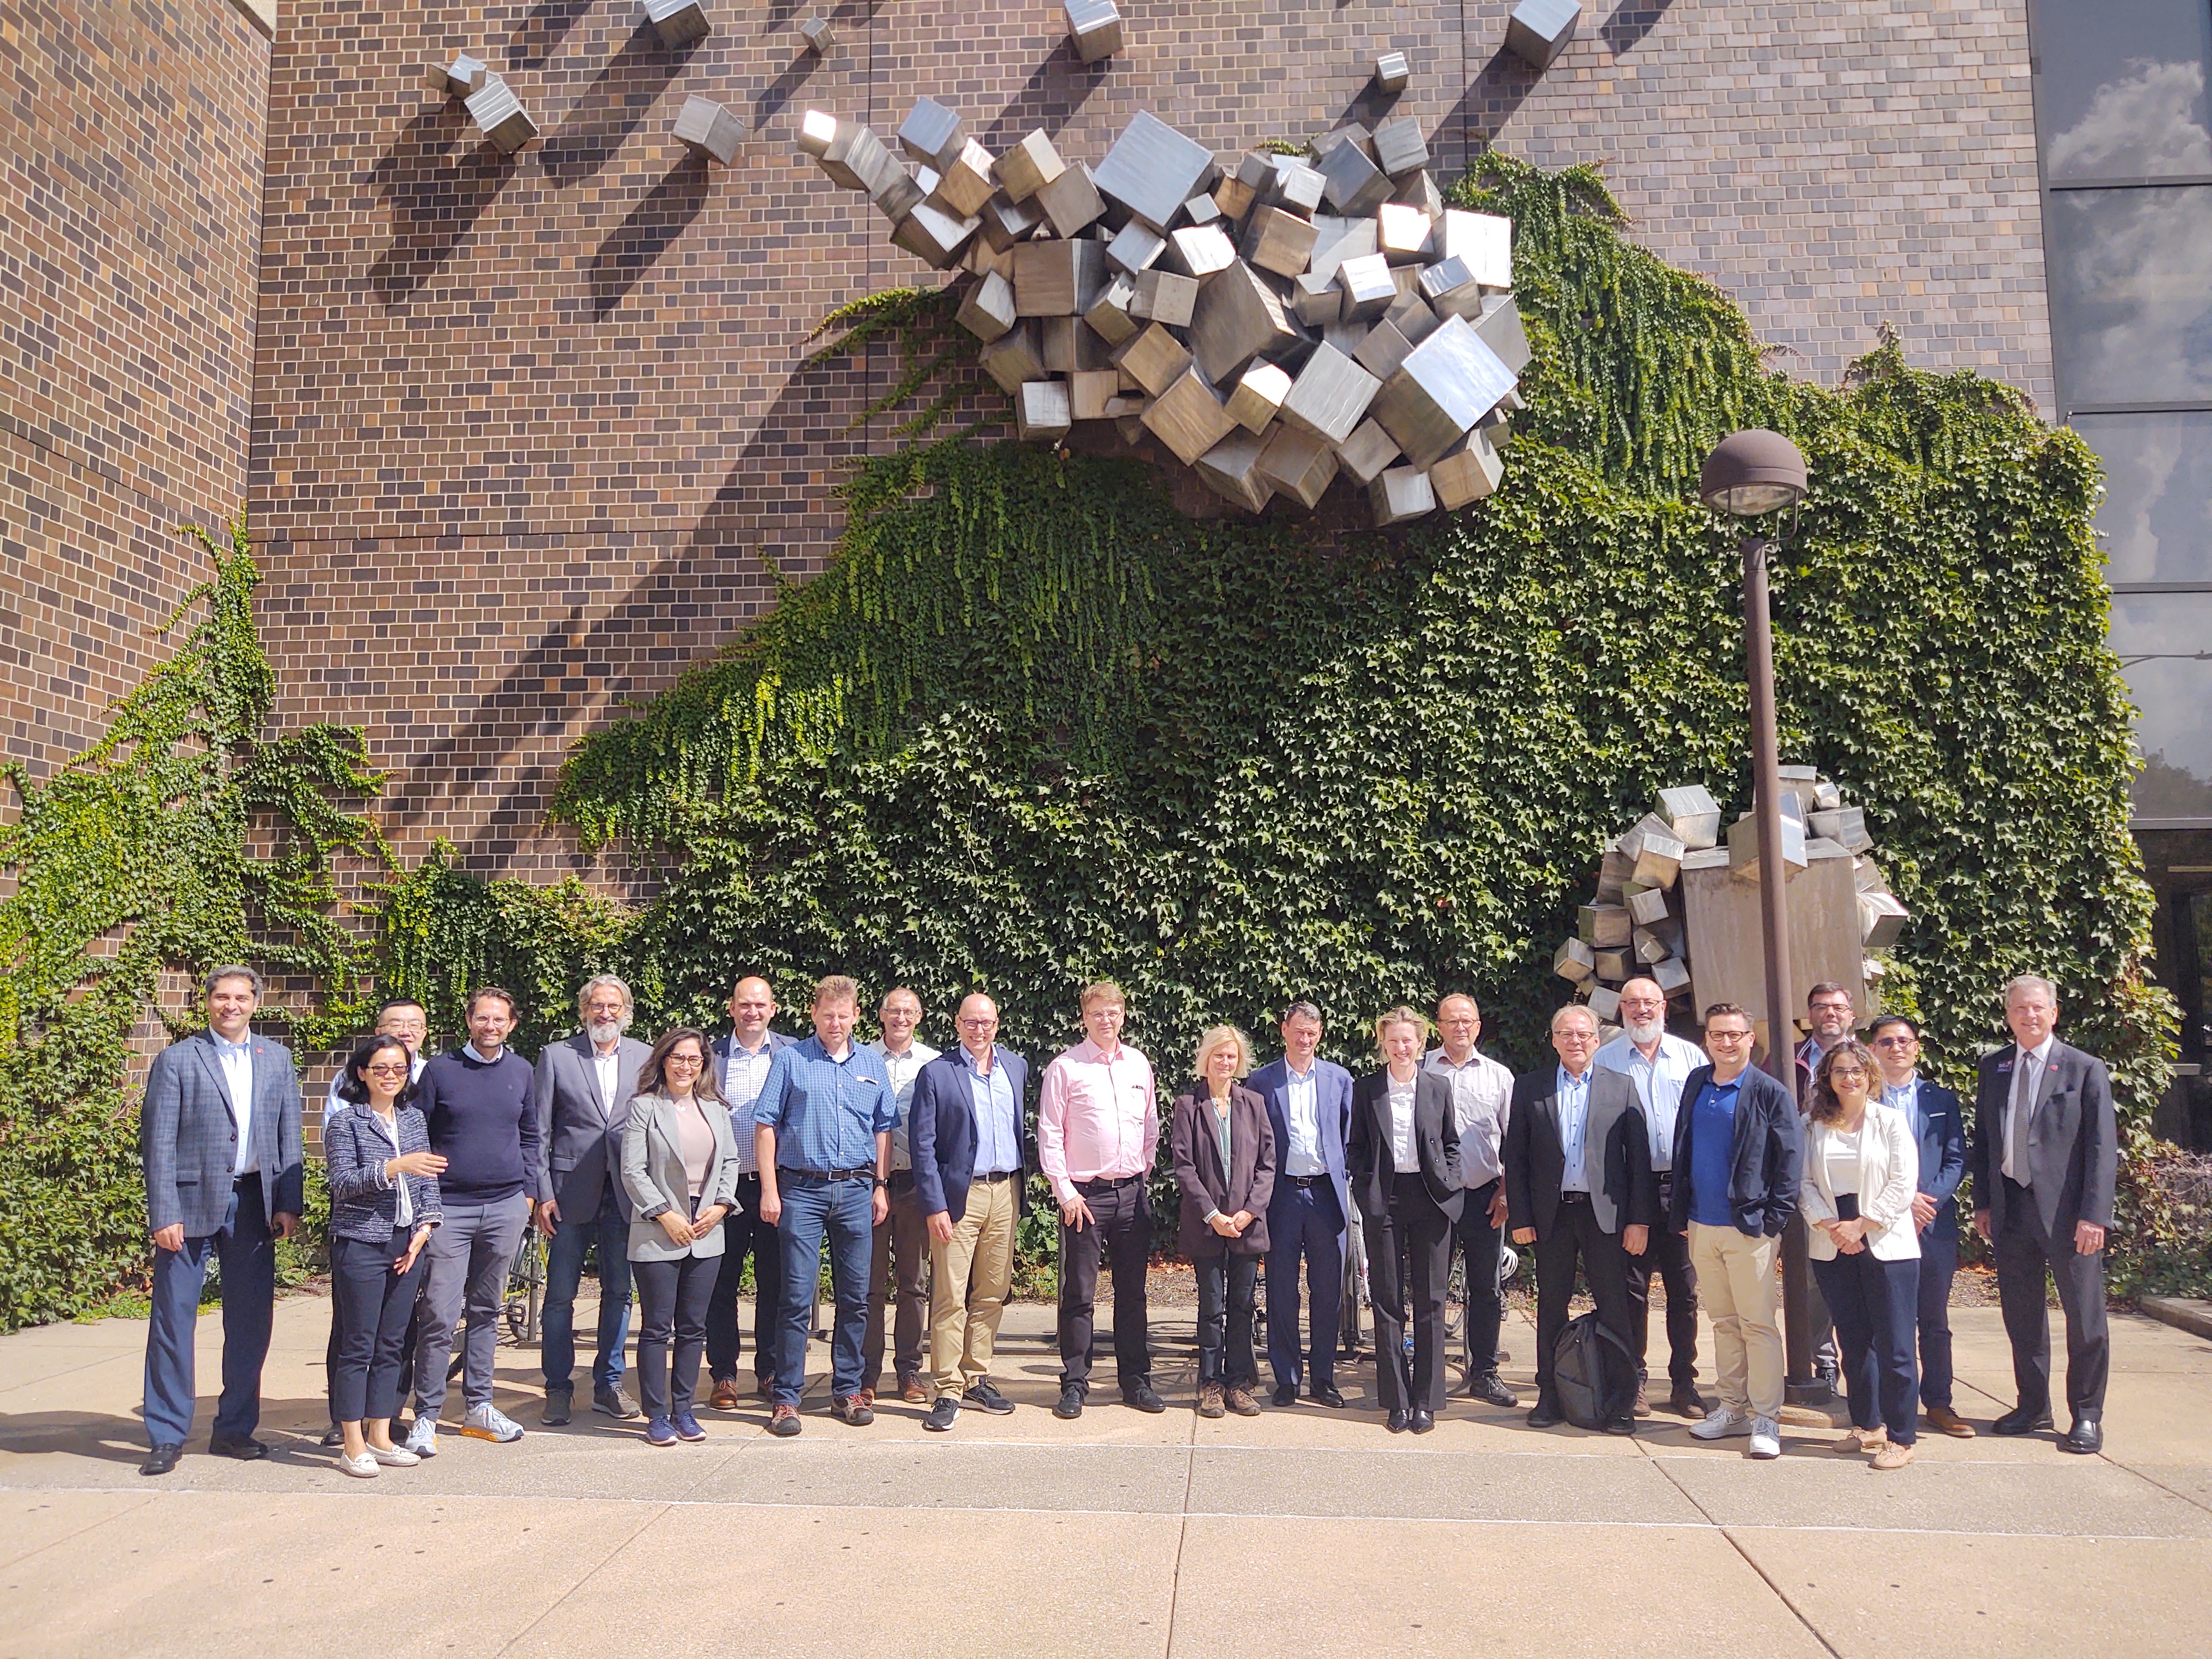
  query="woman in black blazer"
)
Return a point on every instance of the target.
[
  {"x": 1403, "y": 1160},
  {"x": 1224, "y": 1148}
]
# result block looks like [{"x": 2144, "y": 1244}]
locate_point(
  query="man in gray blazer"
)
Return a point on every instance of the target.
[
  {"x": 2045, "y": 1153},
  {"x": 584, "y": 1085},
  {"x": 219, "y": 1136}
]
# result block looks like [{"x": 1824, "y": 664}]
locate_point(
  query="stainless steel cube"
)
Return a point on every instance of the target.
[
  {"x": 818, "y": 129},
  {"x": 1014, "y": 358},
  {"x": 984, "y": 260},
  {"x": 818, "y": 35},
  {"x": 1367, "y": 452},
  {"x": 930, "y": 133},
  {"x": 1297, "y": 186},
  {"x": 1278, "y": 242},
  {"x": 934, "y": 237},
  {"x": 1450, "y": 289},
  {"x": 898, "y": 192},
  {"x": 1467, "y": 474},
  {"x": 1028, "y": 166},
  {"x": 1258, "y": 396},
  {"x": 1337, "y": 239},
  {"x": 1152, "y": 169},
  {"x": 1826, "y": 798},
  {"x": 499, "y": 115},
  {"x": 1231, "y": 467},
  {"x": 1344, "y": 336},
  {"x": 1392, "y": 72},
  {"x": 1299, "y": 465},
  {"x": 677, "y": 22},
  {"x": 1538, "y": 30},
  {"x": 1155, "y": 359},
  {"x": 1499, "y": 328},
  {"x": 1315, "y": 301},
  {"x": 1881, "y": 920},
  {"x": 1483, "y": 241},
  {"x": 707, "y": 128},
  {"x": 987, "y": 309},
  {"x": 1058, "y": 279},
  {"x": 1671, "y": 974},
  {"x": 458, "y": 79},
  {"x": 1164, "y": 296},
  {"x": 1382, "y": 350},
  {"x": 1367, "y": 290},
  {"x": 1094, "y": 29},
  {"x": 1071, "y": 201},
  {"x": 855, "y": 158},
  {"x": 1412, "y": 317},
  {"x": 1648, "y": 947},
  {"x": 1070, "y": 346},
  {"x": 1659, "y": 859},
  {"x": 1611, "y": 965},
  {"x": 968, "y": 182},
  {"x": 1400, "y": 146},
  {"x": 1604, "y": 927},
  {"x": 1867, "y": 877},
  {"x": 1817, "y": 848},
  {"x": 1233, "y": 198},
  {"x": 1041, "y": 411},
  {"x": 1401, "y": 233},
  {"x": 1134, "y": 247},
  {"x": 1200, "y": 251},
  {"x": 1691, "y": 814},
  {"x": 1007, "y": 224},
  {"x": 1187, "y": 417},
  {"x": 1647, "y": 909},
  {"x": 1450, "y": 381},
  {"x": 1401, "y": 493},
  {"x": 1353, "y": 184},
  {"x": 1091, "y": 393},
  {"x": 1330, "y": 395},
  {"x": 1418, "y": 190},
  {"x": 1109, "y": 316},
  {"x": 1743, "y": 847},
  {"x": 1238, "y": 318}
]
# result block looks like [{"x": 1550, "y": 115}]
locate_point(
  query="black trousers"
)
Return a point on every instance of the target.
[
  {"x": 2025, "y": 1252},
  {"x": 372, "y": 1325},
  {"x": 1667, "y": 1254},
  {"x": 672, "y": 1300},
  {"x": 1124, "y": 1238},
  {"x": 1415, "y": 1225},
  {"x": 745, "y": 1237},
  {"x": 1575, "y": 1238},
  {"x": 1228, "y": 1285},
  {"x": 406, "y": 1352},
  {"x": 1873, "y": 1305},
  {"x": 1479, "y": 1242}
]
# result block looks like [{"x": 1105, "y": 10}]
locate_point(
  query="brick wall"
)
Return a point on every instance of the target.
[
  {"x": 527, "y": 428},
  {"x": 130, "y": 150}
]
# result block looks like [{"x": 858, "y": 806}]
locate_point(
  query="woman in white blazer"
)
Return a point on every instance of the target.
[
  {"x": 1862, "y": 1170},
  {"x": 679, "y": 1166}
]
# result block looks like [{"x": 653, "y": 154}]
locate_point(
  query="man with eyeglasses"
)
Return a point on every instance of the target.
[
  {"x": 1739, "y": 1152},
  {"x": 901, "y": 1243},
  {"x": 1482, "y": 1096},
  {"x": 1830, "y": 1017},
  {"x": 1933, "y": 1113}
]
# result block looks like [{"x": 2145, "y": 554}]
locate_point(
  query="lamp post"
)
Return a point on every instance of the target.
[{"x": 1750, "y": 474}]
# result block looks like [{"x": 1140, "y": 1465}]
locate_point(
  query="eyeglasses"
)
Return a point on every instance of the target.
[
  {"x": 1727, "y": 1036},
  {"x": 1846, "y": 1075},
  {"x": 683, "y": 1059},
  {"x": 975, "y": 1024},
  {"x": 1895, "y": 1041}
]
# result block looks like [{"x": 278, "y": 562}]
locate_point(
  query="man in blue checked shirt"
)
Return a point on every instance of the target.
[{"x": 822, "y": 1127}]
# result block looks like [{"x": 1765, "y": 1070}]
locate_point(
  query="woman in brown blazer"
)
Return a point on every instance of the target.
[{"x": 1224, "y": 1148}]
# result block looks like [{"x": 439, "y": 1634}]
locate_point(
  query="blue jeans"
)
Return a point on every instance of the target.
[
  {"x": 564, "y": 1271},
  {"x": 1874, "y": 1304},
  {"x": 248, "y": 1255},
  {"x": 845, "y": 1211},
  {"x": 1939, "y": 1261}
]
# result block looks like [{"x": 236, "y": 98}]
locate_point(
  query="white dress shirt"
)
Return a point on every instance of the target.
[
  {"x": 742, "y": 1078},
  {"x": 389, "y": 1128},
  {"x": 1403, "y": 1160},
  {"x": 1482, "y": 1094},
  {"x": 902, "y": 1070},
  {"x": 1302, "y": 1123},
  {"x": 1574, "y": 1121},
  {"x": 2027, "y": 1068},
  {"x": 1658, "y": 1082},
  {"x": 237, "y": 1059},
  {"x": 609, "y": 1067}
]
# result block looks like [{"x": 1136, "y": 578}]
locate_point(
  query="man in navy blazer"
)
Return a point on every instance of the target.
[
  {"x": 971, "y": 1151},
  {"x": 219, "y": 1137},
  {"x": 1310, "y": 1104},
  {"x": 1940, "y": 1128}
]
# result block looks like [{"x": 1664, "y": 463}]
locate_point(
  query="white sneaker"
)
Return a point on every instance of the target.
[
  {"x": 394, "y": 1457},
  {"x": 362, "y": 1467},
  {"x": 1719, "y": 1423},
  {"x": 1765, "y": 1439},
  {"x": 423, "y": 1438},
  {"x": 489, "y": 1423}
]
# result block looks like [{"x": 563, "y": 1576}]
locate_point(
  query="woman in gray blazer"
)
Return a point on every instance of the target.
[{"x": 679, "y": 1166}]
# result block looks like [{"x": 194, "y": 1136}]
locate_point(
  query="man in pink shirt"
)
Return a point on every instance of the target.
[{"x": 1098, "y": 1126}]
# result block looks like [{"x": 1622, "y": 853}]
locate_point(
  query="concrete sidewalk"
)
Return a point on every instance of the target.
[{"x": 1301, "y": 1530}]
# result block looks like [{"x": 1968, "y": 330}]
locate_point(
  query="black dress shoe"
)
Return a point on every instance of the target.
[
  {"x": 1398, "y": 1422},
  {"x": 2087, "y": 1436},
  {"x": 1548, "y": 1415},
  {"x": 2022, "y": 1419},
  {"x": 333, "y": 1437},
  {"x": 1286, "y": 1394},
  {"x": 247, "y": 1451},
  {"x": 1330, "y": 1396},
  {"x": 1624, "y": 1424},
  {"x": 1140, "y": 1395},
  {"x": 161, "y": 1460},
  {"x": 1493, "y": 1391},
  {"x": 1424, "y": 1420},
  {"x": 1071, "y": 1402}
]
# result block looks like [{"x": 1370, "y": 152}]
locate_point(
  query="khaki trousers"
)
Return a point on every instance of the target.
[
  {"x": 1735, "y": 1282},
  {"x": 970, "y": 1278}
]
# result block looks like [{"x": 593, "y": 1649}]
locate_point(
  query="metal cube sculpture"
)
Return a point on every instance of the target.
[
  {"x": 1028, "y": 166},
  {"x": 1401, "y": 147},
  {"x": 1232, "y": 468},
  {"x": 1402, "y": 493},
  {"x": 1538, "y": 30},
  {"x": 1152, "y": 169},
  {"x": 678, "y": 23},
  {"x": 1041, "y": 411},
  {"x": 818, "y": 35},
  {"x": 458, "y": 79},
  {"x": 707, "y": 128},
  {"x": 499, "y": 115},
  {"x": 1094, "y": 29},
  {"x": 1450, "y": 382}
]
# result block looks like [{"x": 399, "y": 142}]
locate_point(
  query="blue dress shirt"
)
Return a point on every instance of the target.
[
  {"x": 998, "y": 1118},
  {"x": 1574, "y": 1119},
  {"x": 237, "y": 1061},
  {"x": 1302, "y": 1123},
  {"x": 826, "y": 1113}
]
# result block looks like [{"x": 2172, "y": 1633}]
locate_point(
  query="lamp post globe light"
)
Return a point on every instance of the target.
[{"x": 1749, "y": 475}]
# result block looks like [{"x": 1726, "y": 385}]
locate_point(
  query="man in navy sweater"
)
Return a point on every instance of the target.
[{"x": 481, "y": 1104}]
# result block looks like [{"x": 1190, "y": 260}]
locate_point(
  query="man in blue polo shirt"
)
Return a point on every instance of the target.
[{"x": 822, "y": 1127}]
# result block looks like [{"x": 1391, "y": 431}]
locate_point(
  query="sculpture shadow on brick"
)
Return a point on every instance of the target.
[
  {"x": 1486, "y": 105},
  {"x": 771, "y": 98},
  {"x": 532, "y": 43},
  {"x": 1056, "y": 89},
  {"x": 635, "y": 244},
  {"x": 620, "y": 98},
  {"x": 437, "y": 178},
  {"x": 1631, "y": 22}
]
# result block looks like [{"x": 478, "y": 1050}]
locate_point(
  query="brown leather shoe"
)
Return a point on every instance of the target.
[
  {"x": 912, "y": 1392},
  {"x": 1642, "y": 1401},
  {"x": 725, "y": 1397},
  {"x": 1944, "y": 1421},
  {"x": 1240, "y": 1400},
  {"x": 866, "y": 1397},
  {"x": 1209, "y": 1400}
]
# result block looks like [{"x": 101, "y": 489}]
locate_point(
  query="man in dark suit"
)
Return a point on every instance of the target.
[
  {"x": 219, "y": 1138},
  {"x": 2046, "y": 1150},
  {"x": 584, "y": 1086},
  {"x": 971, "y": 1153},
  {"x": 741, "y": 1061},
  {"x": 1308, "y": 1104},
  {"x": 1579, "y": 1186},
  {"x": 1940, "y": 1127}
]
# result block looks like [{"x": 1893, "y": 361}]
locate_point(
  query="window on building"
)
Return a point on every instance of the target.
[
  {"x": 2156, "y": 517},
  {"x": 2121, "y": 89},
  {"x": 2165, "y": 647}
]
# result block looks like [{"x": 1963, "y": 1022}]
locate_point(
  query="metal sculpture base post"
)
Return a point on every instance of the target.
[{"x": 1800, "y": 1297}]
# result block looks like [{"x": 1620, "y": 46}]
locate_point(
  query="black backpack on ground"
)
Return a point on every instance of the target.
[{"x": 1586, "y": 1397}]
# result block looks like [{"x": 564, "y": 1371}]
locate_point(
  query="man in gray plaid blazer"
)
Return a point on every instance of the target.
[{"x": 219, "y": 1136}]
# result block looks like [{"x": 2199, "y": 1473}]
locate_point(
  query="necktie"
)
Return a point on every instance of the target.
[{"x": 2023, "y": 1108}]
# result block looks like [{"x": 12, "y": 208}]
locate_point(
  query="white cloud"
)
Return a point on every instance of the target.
[{"x": 2142, "y": 126}]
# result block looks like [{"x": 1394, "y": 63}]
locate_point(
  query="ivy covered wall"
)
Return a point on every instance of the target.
[{"x": 1035, "y": 725}]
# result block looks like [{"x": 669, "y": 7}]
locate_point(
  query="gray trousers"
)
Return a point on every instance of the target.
[{"x": 469, "y": 1256}]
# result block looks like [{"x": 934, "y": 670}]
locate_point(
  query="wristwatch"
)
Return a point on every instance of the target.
[{"x": 881, "y": 1183}]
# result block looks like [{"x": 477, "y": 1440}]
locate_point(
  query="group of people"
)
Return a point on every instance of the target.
[{"x": 688, "y": 1160}]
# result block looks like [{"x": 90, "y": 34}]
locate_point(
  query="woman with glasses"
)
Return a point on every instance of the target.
[
  {"x": 1862, "y": 1170},
  {"x": 680, "y": 1164},
  {"x": 384, "y": 1203}
]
